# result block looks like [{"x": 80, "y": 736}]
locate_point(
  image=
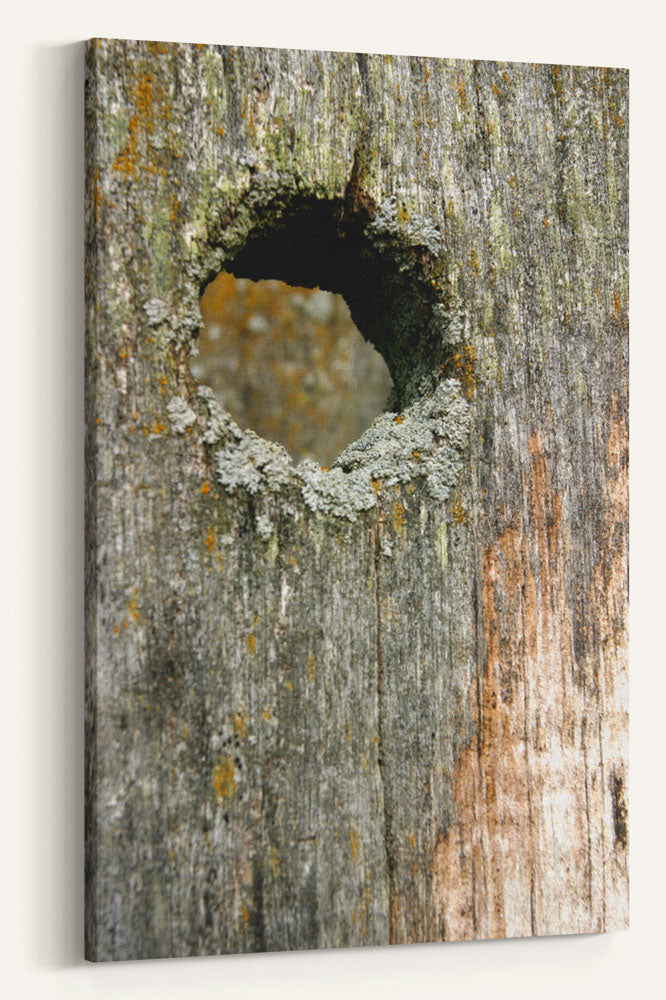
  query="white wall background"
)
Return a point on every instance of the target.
[{"x": 41, "y": 549}]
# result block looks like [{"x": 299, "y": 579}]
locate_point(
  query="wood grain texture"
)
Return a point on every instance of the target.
[{"x": 410, "y": 726}]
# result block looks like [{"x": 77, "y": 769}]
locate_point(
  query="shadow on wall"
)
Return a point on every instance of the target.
[{"x": 290, "y": 364}]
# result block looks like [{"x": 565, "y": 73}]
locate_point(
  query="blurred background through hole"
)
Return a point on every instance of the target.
[{"x": 289, "y": 364}]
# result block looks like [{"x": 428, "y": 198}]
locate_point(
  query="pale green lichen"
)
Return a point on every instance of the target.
[
  {"x": 425, "y": 441},
  {"x": 265, "y": 527},
  {"x": 157, "y": 311},
  {"x": 336, "y": 492},
  {"x": 181, "y": 415},
  {"x": 219, "y": 425},
  {"x": 253, "y": 464}
]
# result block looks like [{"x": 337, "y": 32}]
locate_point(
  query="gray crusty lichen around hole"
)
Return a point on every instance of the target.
[{"x": 415, "y": 328}]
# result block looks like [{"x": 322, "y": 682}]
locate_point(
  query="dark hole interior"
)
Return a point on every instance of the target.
[
  {"x": 289, "y": 363},
  {"x": 284, "y": 356}
]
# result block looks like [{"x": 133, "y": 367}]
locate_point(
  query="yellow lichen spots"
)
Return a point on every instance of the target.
[
  {"x": 250, "y": 642},
  {"x": 133, "y": 609},
  {"x": 98, "y": 193},
  {"x": 387, "y": 59},
  {"x": 163, "y": 380},
  {"x": 157, "y": 48},
  {"x": 557, "y": 86},
  {"x": 157, "y": 428},
  {"x": 224, "y": 778},
  {"x": 98, "y": 421},
  {"x": 513, "y": 181},
  {"x": 399, "y": 519},
  {"x": 275, "y": 860},
  {"x": 246, "y": 915},
  {"x": 403, "y": 214},
  {"x": 205, "y": 488},
  {"x": 123, "y": 353},
  {"x": 289, "y": 686},
  {"x": 416, "y": 454},
  {"x": 459, "y": 85},
  {"x": 376, "y": 485},
  {"x": 324, "y": 468},
  {"x": 496, "y": 91},
  {"x": 266, "y": 715},
  {"x": 135, "y": 415},
  {"x": 353, "y": 843},
  {"x": 312, "y": 667},
  {"x": 465, "y": 362},
  {"x": 618, "y": 305},
  {"x": 546, "y": 222},
  {"x": 186, "y": 731},
  {"x": 474, "y": 261},
  {"x": 412, "y": 841},
  {"x": 489, "y": 126},
  {"x": 457, "y": 509},
  {"x": 209, "y": 541},
  {"x": 172, "y": 854},
  {"x": 116, "y": 631},
  {"x": 240, "y": 723}
]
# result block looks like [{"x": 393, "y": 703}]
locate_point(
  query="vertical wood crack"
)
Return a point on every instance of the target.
[{"x": 381, "y": 735}]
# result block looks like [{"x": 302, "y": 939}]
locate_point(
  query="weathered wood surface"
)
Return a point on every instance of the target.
[{"x": 306, "y": 730}]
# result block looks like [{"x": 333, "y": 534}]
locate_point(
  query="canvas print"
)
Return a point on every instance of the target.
[{"x": 356, "y": 499}]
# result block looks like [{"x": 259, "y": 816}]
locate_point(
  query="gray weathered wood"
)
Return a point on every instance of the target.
[{"x": 393, "y": 719}]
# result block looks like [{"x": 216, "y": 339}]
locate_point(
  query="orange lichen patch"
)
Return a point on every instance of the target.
[
  {"x": 353, "y": 843},
  {"x": 465, "y": 362},
  {"x": 618, "y": 305},
  {"x": 398, "y": 420},
  {"x": 399, "y": 518},
  {"x": 205, "y": 488},
  {"x": 250, "y": 642},
  {"x": 266, "y": 715},
  {"x": 459, "y": 84},
  {"x": 312, "y": 667},
  {"x": 133, "y": 609},
  {"x": 210, "y": 540},
  {"x": 224, "y": 778},
  {"x": 246, "y": 915},
  {"x": 240, "y": 723},
  {"x": 529, "y": 852},
  {"x": 458, "y": 510},
  {"x": 289, "y": 686}
]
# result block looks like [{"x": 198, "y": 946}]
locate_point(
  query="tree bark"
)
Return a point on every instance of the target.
[{"x": 385, "y": 703}]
